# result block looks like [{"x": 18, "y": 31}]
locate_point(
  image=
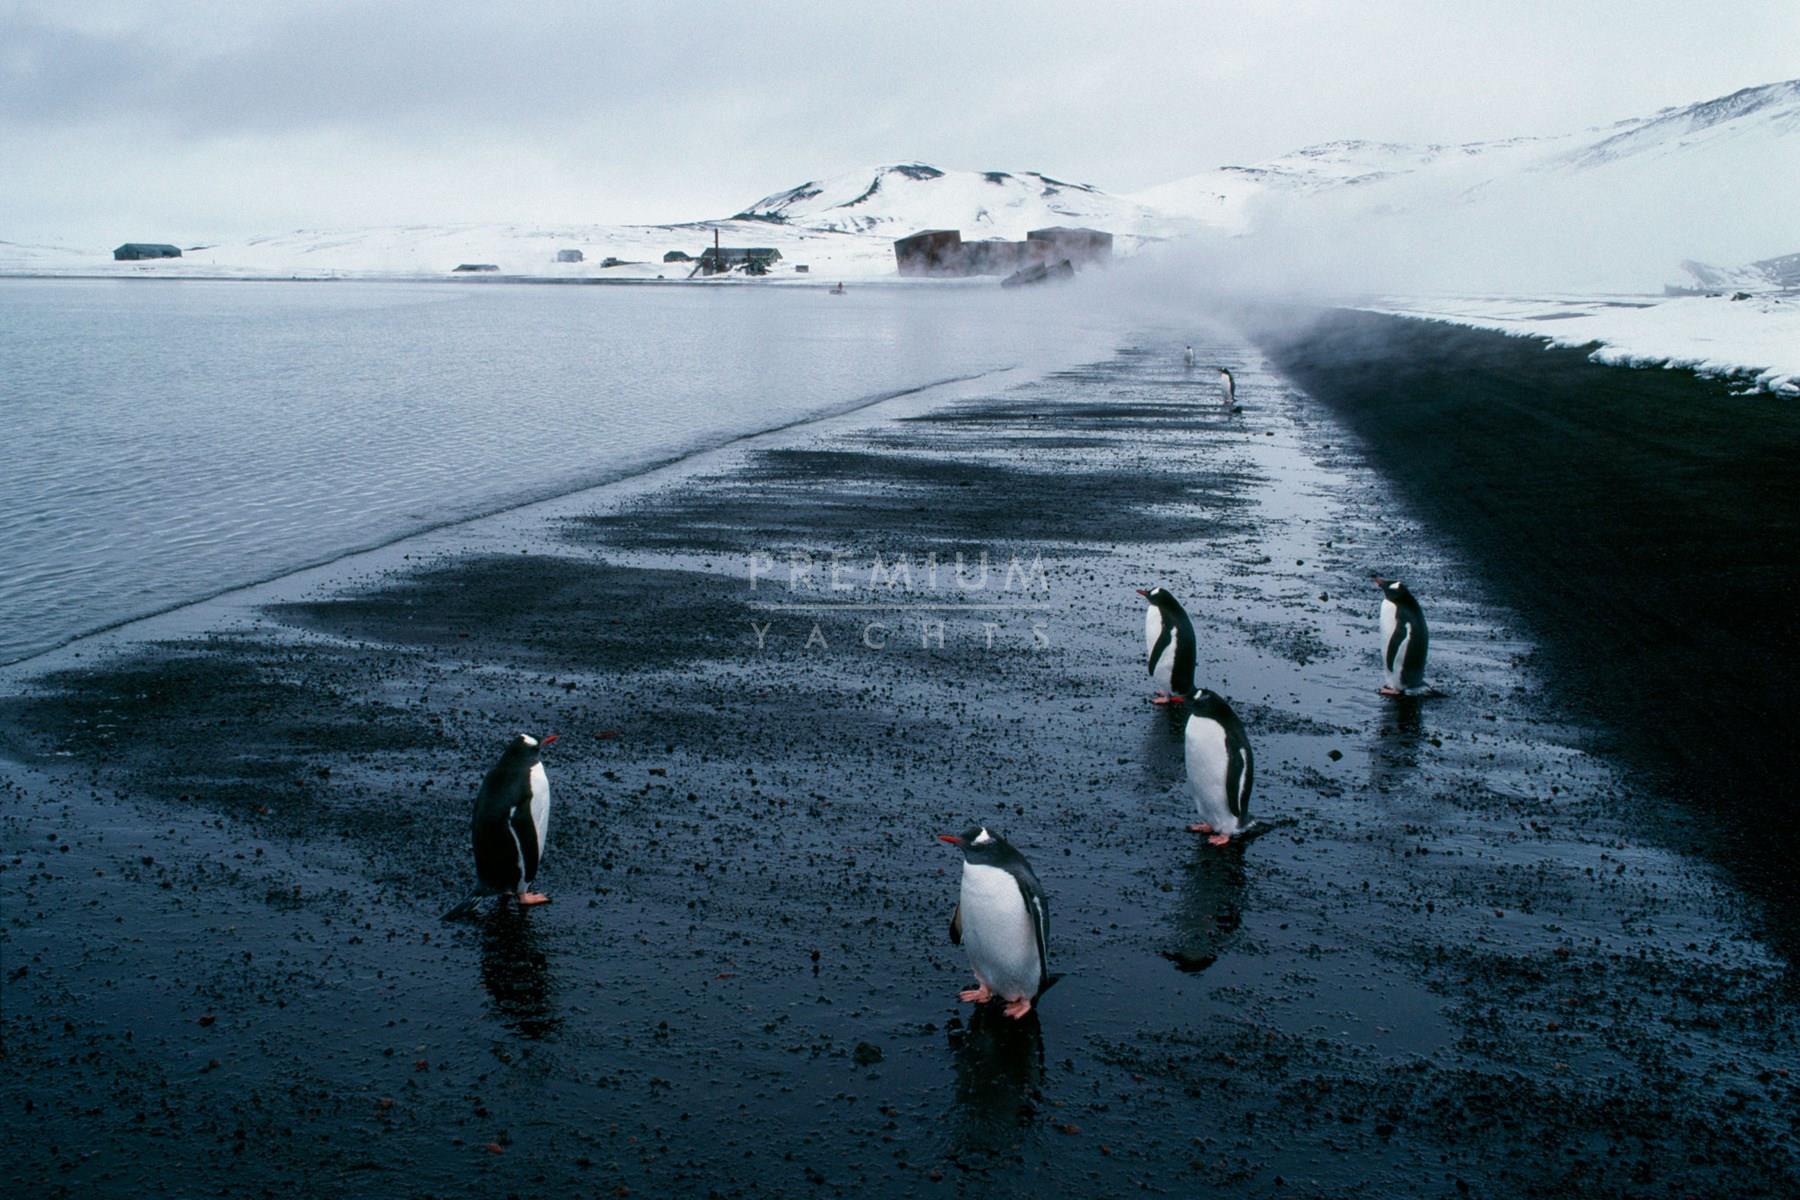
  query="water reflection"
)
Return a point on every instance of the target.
[
  {"x": 999, "y": 1074},
  {"x": 1209, "y": 913},
  {"x": 516, "y": 973},
  {"x": 1399, "y": 732},
  {"x": 1160, "y": 758}
]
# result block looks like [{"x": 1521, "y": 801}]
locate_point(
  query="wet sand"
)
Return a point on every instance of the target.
[
  {"x": 1644, "y": 523},
  {"x": 1472, "y": 960}
]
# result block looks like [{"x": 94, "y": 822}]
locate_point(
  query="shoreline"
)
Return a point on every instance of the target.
[
  {"x": 823, "y": 282},
  {"x": 196, "y": 611},
  {"x": 1641, "y": 525},
  {"x": 1473, "y": 920}
]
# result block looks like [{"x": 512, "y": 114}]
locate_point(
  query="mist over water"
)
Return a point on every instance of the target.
[{"x": 170, "y": 441}]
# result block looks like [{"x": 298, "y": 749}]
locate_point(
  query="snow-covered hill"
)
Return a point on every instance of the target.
[
  {"x": 894, "y": 201},
  {"x": 1614, "y": 208},
  {"x": 1225, "y": 197}
]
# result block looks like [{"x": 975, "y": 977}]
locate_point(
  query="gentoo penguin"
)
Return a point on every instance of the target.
[
  {"x": 1188, "y": 356},
  {"x": 1228, "y": 399},
  {"x": 511, "y": 825},
  {"x": 1404, "y": 640},
  {"x": 1220, "y": 767},
  {"x": 1169, "y": 640},
  {"x": 1003, "y": 919}
]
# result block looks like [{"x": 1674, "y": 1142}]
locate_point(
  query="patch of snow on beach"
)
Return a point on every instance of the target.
[
  {"x": 515, "y": 249},
  {"x": 1756, "y": 338}
]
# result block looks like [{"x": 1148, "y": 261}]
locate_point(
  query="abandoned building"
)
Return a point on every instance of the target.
[
  {"x": 995, "y": 256},
  {"x": 942, "y": 252},
  {"x": 569, "y": 256},
  {"x": 753, "y": 260},
  {"x": 1079, "y": 246},
  {"x": 931, "y": 252},
  {"x": 132, "y": 251}
]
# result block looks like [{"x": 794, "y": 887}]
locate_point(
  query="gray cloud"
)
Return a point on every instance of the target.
[{"x": 227, "y": 117}]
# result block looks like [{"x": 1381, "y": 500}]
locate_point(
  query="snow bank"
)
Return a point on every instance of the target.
[{"x": 1755, "y": 339}]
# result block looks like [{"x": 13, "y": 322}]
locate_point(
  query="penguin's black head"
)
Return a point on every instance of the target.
[
  {"x": 1393, "y": 589},
  {"x": 526, "y": 746},
  {"x": 1204, "y": 702},
  {"x": 1161, "y": 597},
  {"x": 978, "y": 842}
]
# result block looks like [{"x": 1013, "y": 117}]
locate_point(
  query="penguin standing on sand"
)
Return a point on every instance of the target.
[
  {"x": 1169, "y": 640},
  {"x": 511, "y": 826},
  {"x": 1003, "y": 919},
  {"x": 1228, "y": 396},
  {"x": 1188, "y": 356},
  {"x": 1404, "y": 640},
  {"x": 1220, "y": 767}
]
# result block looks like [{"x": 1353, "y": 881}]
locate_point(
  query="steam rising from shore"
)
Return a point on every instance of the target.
[{"x": 1466, "y": 228}]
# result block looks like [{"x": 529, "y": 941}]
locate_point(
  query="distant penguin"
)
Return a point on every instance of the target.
[
  {"x": 1169, "y": 641},
  {"x": 511, "y": 826},
  {"x": 1404, "y": 640},
  {"x": 1003, "y": 919},
  {"x": 1220, "y": 767},
  {"x": 1188, "y": 356},
  {"x": 1228, "y": 399}
]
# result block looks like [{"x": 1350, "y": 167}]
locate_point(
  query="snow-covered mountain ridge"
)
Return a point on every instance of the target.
[{"x": 904, "y": 198}]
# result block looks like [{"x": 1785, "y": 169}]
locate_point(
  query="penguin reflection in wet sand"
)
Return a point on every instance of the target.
[
  {"x": 511, "y": 826},
  {"x": 1220, "y": 767},
  {"x": 1003, "y": 919},
  {"x": 1404, "y": 640},
  {"x": 1169, "y": 640}
]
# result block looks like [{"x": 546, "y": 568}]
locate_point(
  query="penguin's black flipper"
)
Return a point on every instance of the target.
[
  {"x": 956, "y": 926},
  {"x": 468, "y": 905}
]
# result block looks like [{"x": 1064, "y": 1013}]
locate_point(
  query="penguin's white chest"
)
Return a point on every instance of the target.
[
  {"x": 1208, "y": 766},
  {"x": 1391, "y": 660},
  {"x": 1162, "y": 667},
  {"x": 998, "y": 932},
  {"x": 540, "y": 807}
]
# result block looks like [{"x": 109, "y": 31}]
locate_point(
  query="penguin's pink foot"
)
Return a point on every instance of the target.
[
  {"x": 1018, "y": 1008},
  {"x": 1391, "y": 691},
  {"x": 1200, "y": 827},
  {"x": 978, "y": 995},
  {"x": 1219, "y": 839},
  {"x": 533, "y": 898}
]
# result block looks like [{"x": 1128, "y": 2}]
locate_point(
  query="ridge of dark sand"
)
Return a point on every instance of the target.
[
  {"x": 1461, "y": 966},
  {"x": 1644, "y": 523}
]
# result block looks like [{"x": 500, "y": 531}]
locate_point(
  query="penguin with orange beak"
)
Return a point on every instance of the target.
[
  {"x": 511, "y": 826},
  {"x": 1003, "y": 919},
  {"x": 1170, "y": 645}
]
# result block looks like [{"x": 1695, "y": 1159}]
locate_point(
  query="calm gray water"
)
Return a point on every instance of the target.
[{"x": 169, "y": 441}]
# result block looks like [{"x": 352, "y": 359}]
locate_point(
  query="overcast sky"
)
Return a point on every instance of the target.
[{"x": 196, "y": 119}]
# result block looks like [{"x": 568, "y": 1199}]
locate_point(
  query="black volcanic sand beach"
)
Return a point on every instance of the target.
[
  {"x": 1644, "y": 523},
  {"x": 1471, "y": 955}
]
